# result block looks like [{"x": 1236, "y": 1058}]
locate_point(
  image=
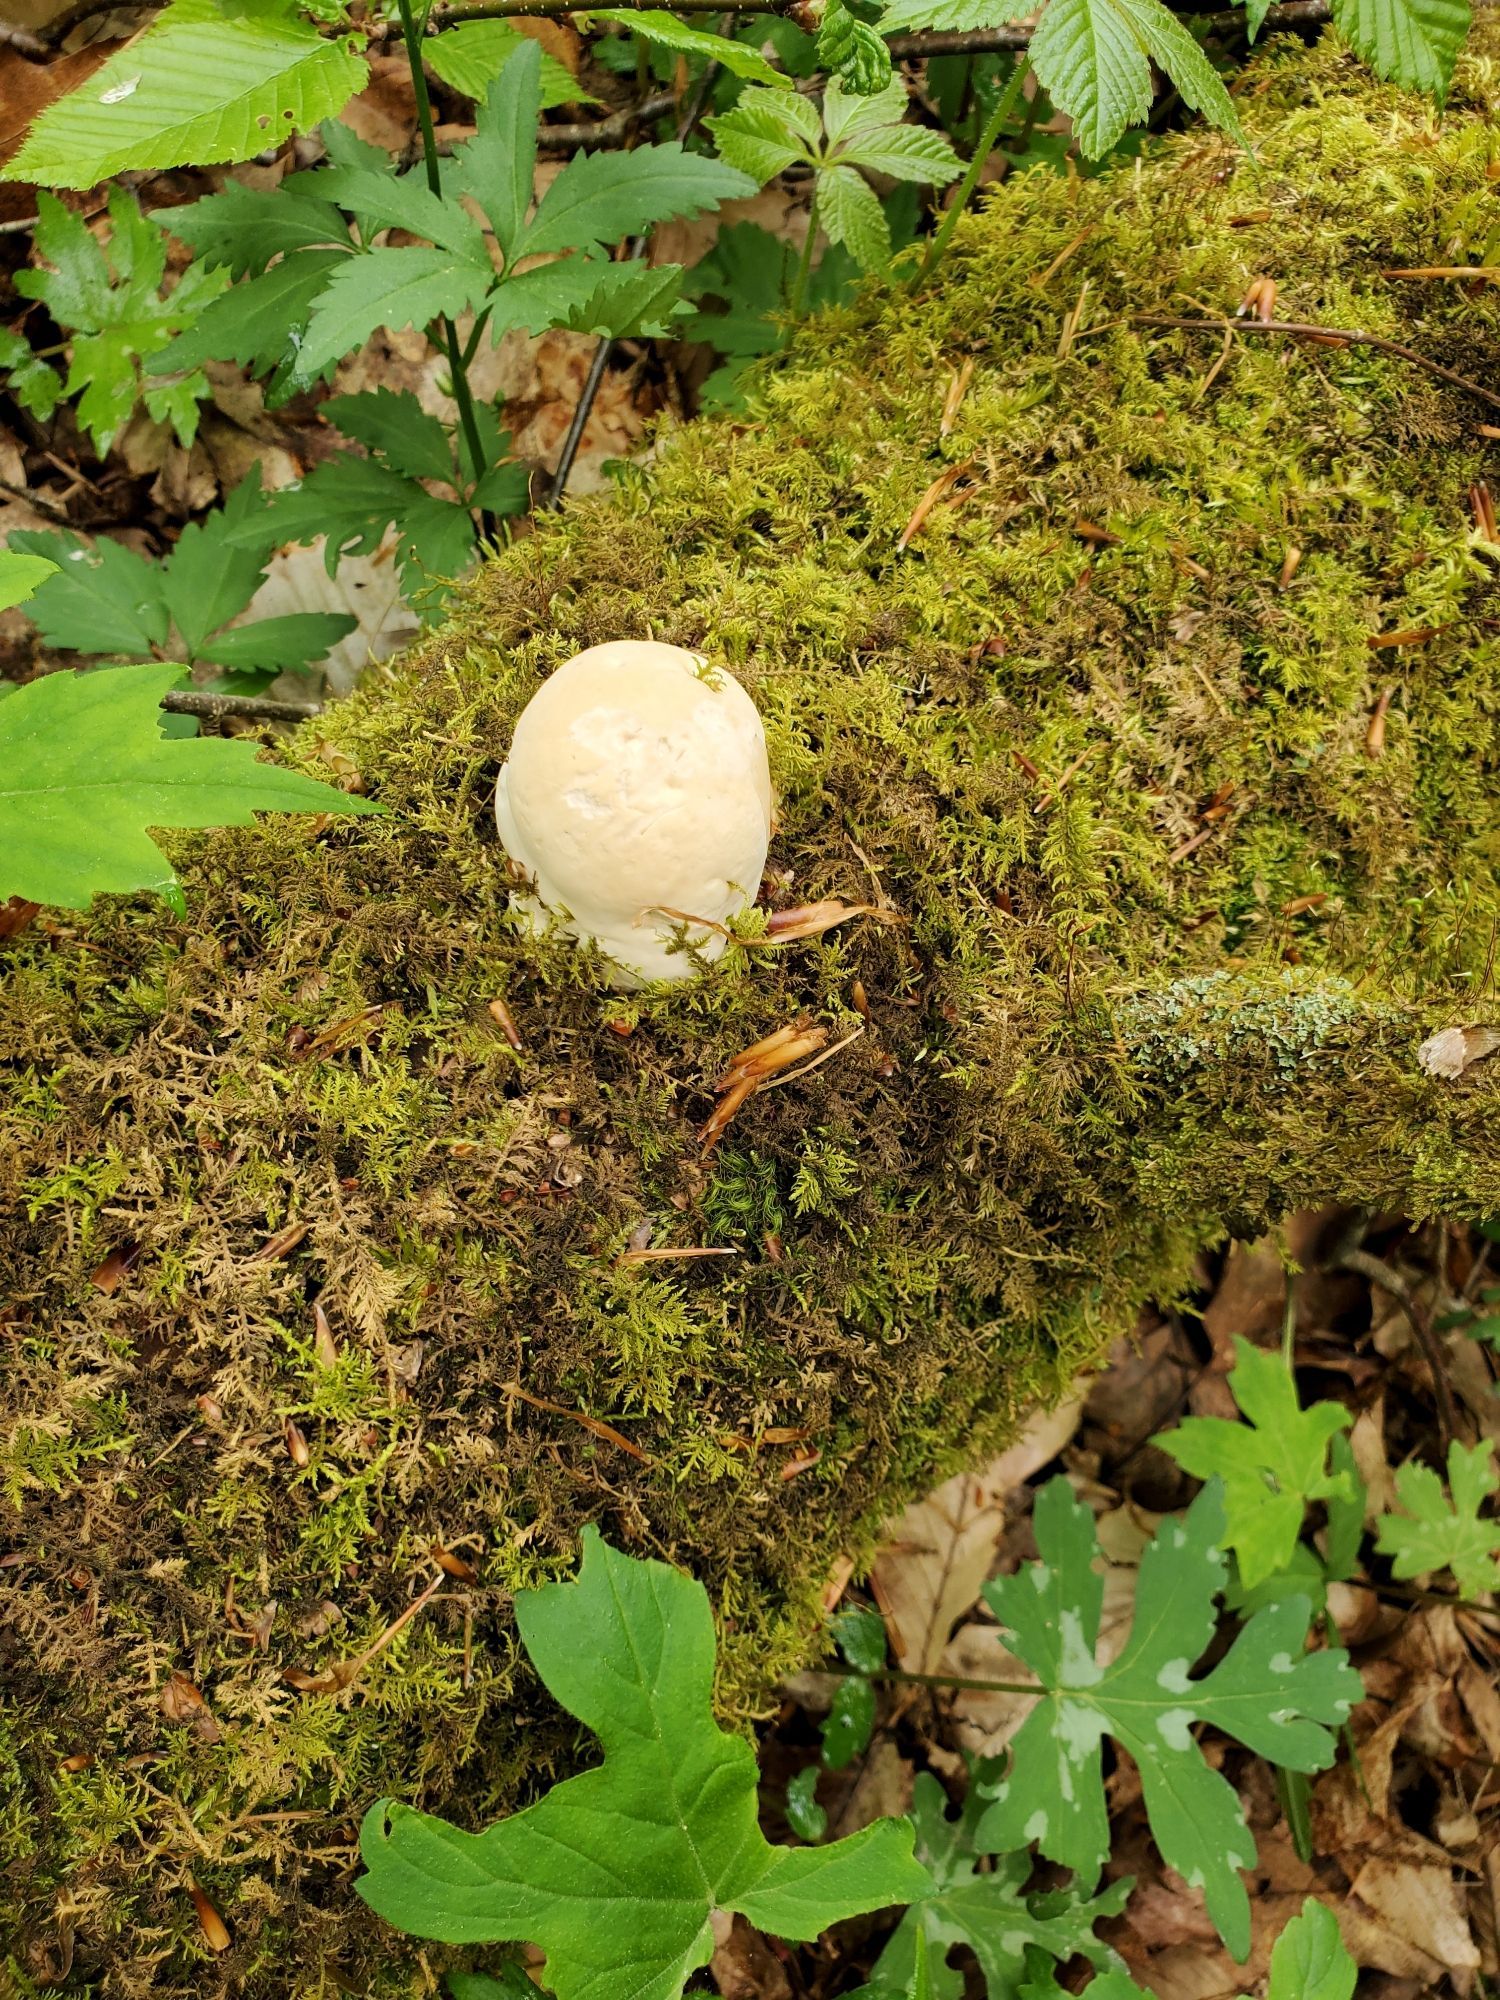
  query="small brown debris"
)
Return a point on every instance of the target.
[
  {"x": 958, "y": 388},
  {"x": 1375, "y": 734},
  {"x": 1250, "y": 217},
  {"x": 859, "y": 1000},
  {"x": 81, "y": 1760},
  {"x": 281, "y": 1244},
  {"x": 210, "y": 1408},
  {"x": 16, "y": 915},
  {"x": 1259, "y": 300},
  {"x": 342, "y": 1674},
  {"x": 771, "y": 1243},
  {"x": 325, "y": 1347},
  {"x": 594, "y": 1424},
  {"x": 453, "y": 1565},
  {"x": 804, "y": 1462},
  {"x": 182, "y": 1701},
  {"x": 1194, "y": 569},
  {"x": 938, "y": 491},
  {"x": 1024, "y": 763},
  {"x": 116, "y": 1266},
  {"x": 1300, "y": 905},
  {"x": 1483, "y": 508},
  {"x": 1039, "y": 278},
  {"x": 215, "y": 1930},
  {"x": 1218, "y": 806},
  {"x": 347, "y": 1033},
  {"x": 1450, "y": 1052},
  {"x": 1090, "y": 531},
  {"x": 666, "y": 1254},
  {"x": 296, "y": 1444},
  {"x": 1411, "y": 635},
  {"x": 506, "y": 1022},
  {"x": 1049, "y": 797},
  {"x": 1291, "y": 562},
  {"x": 621, "y": 1028},
  {"x": 1483, "y": 272},
  {"x": 1190, "y": 846}
]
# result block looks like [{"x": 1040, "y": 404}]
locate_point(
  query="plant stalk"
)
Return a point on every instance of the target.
[
  {"x": 984, "y": 146},
  {"x": 804, "y": 262}
]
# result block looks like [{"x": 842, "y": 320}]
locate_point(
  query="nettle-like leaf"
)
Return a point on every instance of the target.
[
  {"x": 986, "y": 1909},
  {"x": 1308, "y": 1962},
  {"x": 1094, "y": 57},
  {"x": 903, "y": 17},
  {"x": 470, "y": 56},
  {"x": 1439, "y": 1533},
  {"x": 600, "y": 197},
  {"x": 21, "y": 575},
  {"x": 110, "y": 304},
  {"x": 1272, "y": 1466},
  {"x": 209, "y": 81},
  {"x": 85, "y": 770},
  {"x": 1413, "y": 42},
  {"x": 666, "y": 31},
  {"x": 616, "y": 1873},
  {"x": 395, "y": 288},
  {"x": 1265, "y": 1693}
]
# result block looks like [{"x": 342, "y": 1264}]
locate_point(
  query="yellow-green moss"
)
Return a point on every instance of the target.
[{"x": 1094, "y": 1043}]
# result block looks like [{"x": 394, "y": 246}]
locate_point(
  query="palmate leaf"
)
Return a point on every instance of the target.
[
  {"x": 1093, "y": 57},
  {"x": 615, "y": 1874},
  {"x": 104, "y": 599},
  {"x": 766, "y": 131},
  {"x": 600, "y": 197},
  {"x": 668, "y": 32},
  {"x": 85, "y": 770},
  {"x": 1413, "y": 42},
  {"x": 849, "y": 209},
  {"x": 255, "y": 322},
  {"x": 209, "y": 81},
  {"x": 393, "y": 424},
  {"x": 630, "y": 298},
  {"x": 469, "y": 57},
  {"x": 1438, "y": 1533},
  {"x": 988, "y": 1912},
  {"x": 1272, "y": 1466},
  {"x": 1265, "y": 1694}
]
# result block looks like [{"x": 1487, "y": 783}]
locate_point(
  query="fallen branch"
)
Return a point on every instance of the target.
[{"x": 216, "y": 707}]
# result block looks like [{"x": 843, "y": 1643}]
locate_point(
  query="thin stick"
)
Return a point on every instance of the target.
[
  {"x": 984, "y": 146},
  {"x": 1381, "y": 1274},
  {"x": 181, "y": 701},
  {"x": 1346, "y": 336},
  {"x": 611, "y": 131},
  {"x": 599, "y": 1428}
]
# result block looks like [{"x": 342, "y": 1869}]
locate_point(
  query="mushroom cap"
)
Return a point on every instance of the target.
[{"x": 637, "y": 781}]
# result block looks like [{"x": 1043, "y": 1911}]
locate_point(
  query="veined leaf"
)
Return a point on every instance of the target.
[
  {"x": 766, "y": 131},
  {"x": 85, "y": 770},
  {"x": 850, "y": 211},
  {"x": 497, "y": 167},
  {"x": 628, "y": 1648},
  {"x": 905, "y": 153},
  {"x": 469, "y": 57},
  {"x": 1438, "y": 1533},
  {"x": 630, "y": 298},
  {"x": 255, "y": 321},
  {"x": 600, "y": 197},
  {"x": 903, "y": 17},
  {"x": 1413, "y": 42},
  {"x": 35, "y": 386},
  {"x": 278, "y": 645},
  {"x": 395, "y": 427},
  {"x": 245, "y": 228},
  {"x": 397, "y": 201},
  {"x": 410, "y": 286},
  {"x": 21, "y": 575},
  {"x": 1093, "y": 57},
  {"x": 209, "y": 81},
  {"x": 668, "y": 32},
  {"x": 104, "y": 599}
]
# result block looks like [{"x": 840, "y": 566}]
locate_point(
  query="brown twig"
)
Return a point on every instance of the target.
[
  {"x": 1390, "y": 1281},
  {"x": 1344, "y": 336},
  {"x": 215, "y": 707},
  {"x": 599, "y": 1428},
  {"x": 611, "y": 131}
]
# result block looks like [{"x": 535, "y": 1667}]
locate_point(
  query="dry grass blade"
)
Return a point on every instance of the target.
[
  {"x": 599, "y": 1428},
  {"x": 668, "y": 1255},
  {"x": 936, "y": 493},
  {"x": 813, "y": 919}
]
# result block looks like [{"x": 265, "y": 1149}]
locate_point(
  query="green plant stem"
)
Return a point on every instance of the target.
[
  {"x": 804, "y": 263},
  {"x": 412, "y": 31},
  {"x": 994, "y": 125}
]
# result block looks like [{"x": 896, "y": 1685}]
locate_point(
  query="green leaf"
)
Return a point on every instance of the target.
[
  {"x": 1413, "y": 42},
  {"x": 208, "y": 579},
  {"x": 903, "y": 17},
  {"x": 986, "y": 1911},
  {"x": 1093, "y": 57},
  {"x": 410, "y": 286},
  {"x": 398, "y": 201},
  {"x": 35, "y": 386},
  {"x": 244, "y": 228},
  {"x": 257, "y": 321},
  {"x": 850, "y": 1719},
  {"x": 766, "y": 131},
  {"x": 504, "y": 489},
  {"x": 209, "y": 81},
  {"x": 669, "y": 33},
  {"x": 852, "y": 51},
  {"x": 468, "y": 59},
  {"x": 860, "y": 1637},
  {"x": 1441, "y": 1534},
  {"x": 85, "y": 770},
  {"x": 905, "y": 153},
  {"x": 628, "y": 1648},
  {"x": 354, "y": 500},
  {"x": 104, "y": 599},
  {"x": 804, "y": 1815},
  {"x": 850, "y": 211},
  {"x": 1265, "y": 1694},
  {"x": 600, "y": 197},
  {"x": 278, "y": 645},
  {"x": 1309, "y": 1962},
  {"x": 394, "y": 426},
  {"x": 510, "y": 1983},
  {"x": 497, "y": 167},
  {"x": 629, "y": 298},
  {"x": 1272, "y": 1465},
  {"x": 21, "y": 576}
]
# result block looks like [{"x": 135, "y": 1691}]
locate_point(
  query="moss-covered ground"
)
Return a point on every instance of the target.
[{"x": 1170, "y": 935}]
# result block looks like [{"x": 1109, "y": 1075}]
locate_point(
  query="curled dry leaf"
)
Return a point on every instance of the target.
[
  {"x": 215, "y": 1930},
  {"x": 812, "y": 919},
  {"x": 1450, "y": 1052},
  {"x": 182, "y": 1701},
  {"x": 766, "y": 1058}
]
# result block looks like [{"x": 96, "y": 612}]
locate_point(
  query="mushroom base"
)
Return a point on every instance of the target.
[{"x": 1172, "y": 934}]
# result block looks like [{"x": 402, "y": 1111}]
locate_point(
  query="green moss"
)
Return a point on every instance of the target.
[{"x": 1097, "y": 1039}]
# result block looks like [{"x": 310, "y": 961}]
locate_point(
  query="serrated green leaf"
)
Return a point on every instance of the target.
[
  {"x": 497, "y": 167},
  {"x": 398, "y": 201},
  {"x": 668, "y": 32},
  {"x": 1412, "y": 42},
  {"x": 504, "y": 489},
  {"x": 601, "y": 197},
  {"x": 469, "y": 57},
  {"x": 850, "y": 212},
  {"x": 255, "y": 321},
  {"x": 245, "y": 228},
  {"x": 354, "y": 500},
  {"x": 903, "y": 17},
  {"x": 989, "y": 1911},
  {"x": 1273, "y": 1465},
  {"x": 410, "y": 286},
  {"x": 21, "y": 576},
  {"x": 207, "y": 580},
  {"x": 852, "y": 51},
  {"x": 209, "y": 81},
  {"x": 1093, "y": 57},
  {"x": 1265, "y": 1693},
  {"x": 1439, "y": 1533},
  {"x": 630, "y": 298},
  {"x": 628, "y": 1648},
  {"x": 766, "y": 131},
  {"x": 278, "y": 645},
  {"x": 104, "y": 599},
  {"x": 905, "y": 153},
  {"x": 85, "y": 770},
  {"x": 392, "y": 424}
]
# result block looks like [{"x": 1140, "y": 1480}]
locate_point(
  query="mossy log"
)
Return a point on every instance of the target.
[{"x": 1162, "y": 923}]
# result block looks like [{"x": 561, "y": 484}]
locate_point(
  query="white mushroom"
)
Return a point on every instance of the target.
[{"x": 637, "y": 783}]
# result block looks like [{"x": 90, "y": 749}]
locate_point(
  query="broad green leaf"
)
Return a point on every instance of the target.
[
  {"x": 394, "y": 426},
  {"x": 104, "y": 599},
  {"x": 85, "y": 770},
  {"x": 510, "y": 1983},
  {"x": 629, "y": 298},
  {"x": 903, "y": 17},
  {"x": 1265, "y": 1693},
  {"x": 245, "y": 228},
  {"x": 615, "y": 1874},
  {"x": 504, "y": 489},
  {"x": 1093, "y": 57},
  {"x": 668, "y": 32},
  {"x": 469, "y": 57},
  {"x": 207, "y": 580},
  {"x": 1436, "y": 1532},
  {"x": 35, "y": 386},
  {"x": 860, "y": 1637},
  {"x": 209, "y": 81},
  {"x": 410, "y": 286},
  {"x": 255, "y": 322},
  {"x": 600, "y": 197},
  {"x": 987, "y": 1911},
  {"x": 1413, "y": 42},
  {"x": 21, "y": 576},
  {"x": 847, "y": 116},
  {"x": 497, "y": 167},
  {"x": 850, "y": 212},
  {"x": 277, "y": 645},
  {"x": 850, "y": 1719},
  {"x": 1272, "y": 1466},
  {"x": 354, "y": 500},
  {"x": 398, "y": 201},
  {"x": 766, "y": 131}
]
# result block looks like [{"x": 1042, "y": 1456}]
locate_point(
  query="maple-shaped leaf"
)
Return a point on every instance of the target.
[
  {"x": 988, "y": 1912},
  {"x": 1438, "y": 1533},
  {"x": 1265, "y": 1693},
  {"x": 85, "y": 770},
  {"x": 616, "y": 1873},
  {"x": 1272, "y": 1465},
  {"x": 1309, "y": 1962}
]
